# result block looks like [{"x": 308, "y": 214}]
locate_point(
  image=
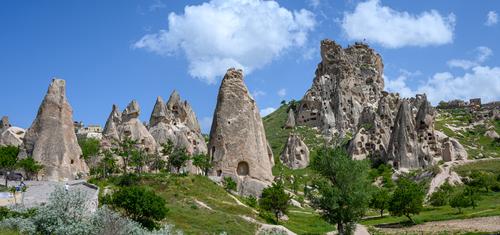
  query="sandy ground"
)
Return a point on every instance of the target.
[{"x": 481, "y": 224}]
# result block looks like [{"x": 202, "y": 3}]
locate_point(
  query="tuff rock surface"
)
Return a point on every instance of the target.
[
  {"x": 10, "y": 135},
  {"x": 238, "y": 145},
  {"x": 51, "y": 139},
  {"x": 176, "y": 121},
  {"x": 347, "y": 98},
  {"x": 296, "y": 153},
  {"x": 127, "y": 125},
  {"x": 290, "y": 122}
]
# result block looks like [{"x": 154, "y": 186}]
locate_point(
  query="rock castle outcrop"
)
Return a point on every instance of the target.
[
  {"x": 296, "y": 153},
  {"x": 347, "y": 98},
  {"x": 176, "y": 121},
  {"x": 51, "y": 139},
  {"x": 238, "y": 145},
  {"x": 126, "y": 124}
]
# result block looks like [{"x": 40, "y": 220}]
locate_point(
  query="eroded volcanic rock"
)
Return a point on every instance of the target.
[
  {"x": 176, "y": 121},
  {"x": 238, "y": 145},
  {"x": 51, "y": 139},
  {"x": 290, "y": 122},
  {"x": 296, "y": 153},
  {"x": 10, "y": 135}
]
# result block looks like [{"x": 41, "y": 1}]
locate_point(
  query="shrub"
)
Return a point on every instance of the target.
[
  {"x": 128, "y": 180},
  {"x": 274, "y": 199},
  {"x": 229, "y": 184},
  {"x": 442, "y": 195},
  {"x": 407, "y": 199},
  {"x": 142, "y": 205},
  {"x": 251, "y": 201}
]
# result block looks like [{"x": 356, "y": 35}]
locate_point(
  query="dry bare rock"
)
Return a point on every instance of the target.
[
  {"x": 296, "y": 153},
  {"x": 51, "y": 139},
  {"x": 238, "y": 145},
  {"x": 10, "y": 135},
  {"x": 290, "y": 122},
  {"x": 176, "y": 121}
]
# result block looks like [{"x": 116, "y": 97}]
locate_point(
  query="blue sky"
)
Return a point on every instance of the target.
[{"x": 115, "y": 51}]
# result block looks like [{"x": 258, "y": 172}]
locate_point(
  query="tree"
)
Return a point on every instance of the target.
[
  {"x": 407, "y": 199},
  {"x": 157, "y": 162},
  {"x": 138, "y": 159},
  {"x": 167, "y": 148},
  {"x": 481, "y": 179},
  {"x": 274, "y": 199},
  {"x": 125, "y": 150},
  {"x": 459, "y": 201},
  {"x": 343, "y": 188},
  {"x": 140, "y": 204},
  {"x": 202, "y": 161},
  {"x": 30, "y": 167},
  {"x": 178, "y": 159},
  {"x": 8, "y": 159},
  {"x": 90, "y": 147},
  {"x": 380, "y": 200},
  {"x": 442, "y": 196},
  {"x": 107, "y": 165}
]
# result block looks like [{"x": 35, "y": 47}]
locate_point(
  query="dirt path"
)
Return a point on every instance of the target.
[{"x": 480, "y": 224}]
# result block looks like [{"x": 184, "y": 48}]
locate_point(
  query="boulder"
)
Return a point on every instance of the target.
[
  {"x": 51, "y": 139},
  {"x": 290, "y": 122},
  {"x": 238, "y": 145},
  {"x": 12, "y": 136},
  {"x": 4, "y": 123},
  {"x": 492, "y": 134},
  {"x": 296, "y": 153}
]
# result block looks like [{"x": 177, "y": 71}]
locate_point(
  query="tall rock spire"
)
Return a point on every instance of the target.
[
  {"x": 238, "y": 145},
  {"x": 51, "y": 139}
]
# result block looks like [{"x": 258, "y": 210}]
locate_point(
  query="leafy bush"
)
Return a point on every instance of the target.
[
  {"x": 274, "y": 199},
  {"x": 229, "y": 184},
  {"x": 129, "y": 179},
  {"x": 407, "y": 199},
  {"x": 142, "y": 205},
  {"x": 442, "y": 196},
  {"x": 251, "y": 201}
]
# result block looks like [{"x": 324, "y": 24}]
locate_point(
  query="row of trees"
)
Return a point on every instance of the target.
[
  {"x": 133, "y": 156},
  {"x": 9, "y": 162}
]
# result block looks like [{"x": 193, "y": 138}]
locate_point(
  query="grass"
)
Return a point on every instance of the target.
[
  {"x": 488, "y": 206},
  {"x": 492, "y": 166},
  {"x": 306, "y": 221},
  {"x": 472, "y": 138},
  {"x": 8, "y": 232}
]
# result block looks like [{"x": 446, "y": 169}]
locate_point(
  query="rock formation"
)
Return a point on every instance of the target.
[
  {"x": 10, "y": 135},
  {"x": 51, "y": 139},
  {"x": 120, "y": 126},
  {"x": 4, "y": 123},
  {"x": 290, "y": 122},
  {"x": 238, "y": 145},
  {"x": 347, "y": 97},
  {"x": 346, "y": 81},
  {"x": 176, "y": 121},
  {"x": 296, "y": 154}
]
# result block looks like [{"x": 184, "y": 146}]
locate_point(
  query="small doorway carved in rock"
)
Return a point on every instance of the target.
[{"x": 243, "y": 169}]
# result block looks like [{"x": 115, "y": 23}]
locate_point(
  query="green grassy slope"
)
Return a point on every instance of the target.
[{"x": 456, "y": 123}]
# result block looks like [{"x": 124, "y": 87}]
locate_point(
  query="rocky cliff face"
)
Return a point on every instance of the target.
[
  {"x": 127, "y": 125},
  {"x": 346, "y": 81},
  {"x": 238, "y": 145},
  {"x": 347, "y": 97},
  {"x": 51, "y": 139},
  {"x": 176, "y": 121},
  {"x": 296, "y": 153}
]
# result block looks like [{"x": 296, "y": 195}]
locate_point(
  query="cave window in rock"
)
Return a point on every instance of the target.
[
  {"x": 242, "y": 169},
  {"x": 72, "y": 161},
  {"x": 219, "y": 173}
]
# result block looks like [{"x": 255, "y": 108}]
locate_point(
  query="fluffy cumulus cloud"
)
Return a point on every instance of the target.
[
  {"x": 479, "y": 81},
  {"x": 482, "y": 54},
  {"x": 219, "y": 34},
  {"x": 491, "y": 18},
  {"x": 267, "y": 111},
  {"x": 394, "y": 29}
]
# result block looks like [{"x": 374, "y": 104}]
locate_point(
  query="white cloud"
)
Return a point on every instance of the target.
[
  {"x": 393, "y": 29},
  {"x": 219, "y": 34},
  {"x": 491, "y": 18},
  {"x": 282, "y": 92},
  {"x": 480, "y": 81},
  {"x": 257, "y": 93},
  {"x": 482, "y": 54},
  {"x": 267, "y": 111}
]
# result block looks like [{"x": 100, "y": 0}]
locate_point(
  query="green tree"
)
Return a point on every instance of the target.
[
  {"x": 481, "y": 179},
  {"x": 178, "y": 159},
  {"x": 157, "y": 162},
  {"x": 202, "y": 161},
  {"x": 442, "y": 195},
  {"x": 459, "y": 201},
  {"x": 407, "y": 199},
  {"x": 107, "y": 165},
  {"x": 138, "y": 159},
  {"x": 274, "y": 199},
  {"x": 140, "y": 204},
  {"x": 90, "y": 147},
  {"x": 167, "y": 148},
  {"x": 8, "y": 159},
  {"x": 380, "y": 200},
  {"x": 30, "y": 167},
  {"x": 125, "y": 149},
  {"x": 343, "y": 188}
]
